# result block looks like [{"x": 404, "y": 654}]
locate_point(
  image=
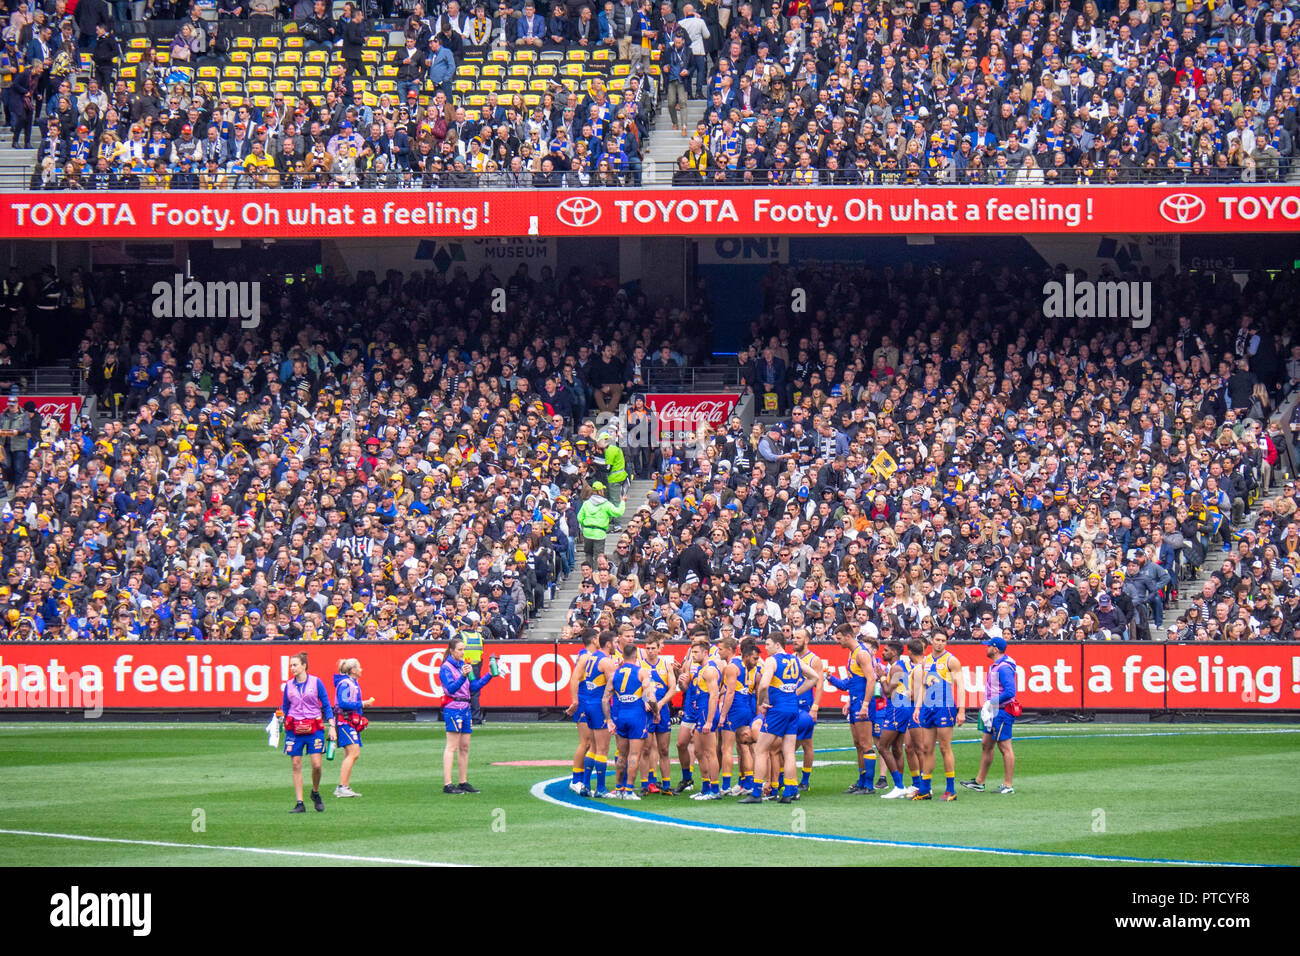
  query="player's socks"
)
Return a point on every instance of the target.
[
  {"x": 869, "y": 768},
  {"x": 687, "y": 776},
  {"x": 916, "y": 781},
  {"x": 926, "y": 783},
  {"x": 862, "y": 779},
  {"x": 602, "y": 766},
  {"x": 588, "y": 768},
  {"x": 805, "y": 777},
  {"x": 898, "y": 778},
  {"x": 577, "y": 774},
  {"x": 756, "y": 786},
  {"x": 650, "y": 781},
  {"x": 790, "y": 790},
  {"x": 780, "y": 780},
  {"x": 726, "y": 781},
  {"x": 951, "y": 782}
]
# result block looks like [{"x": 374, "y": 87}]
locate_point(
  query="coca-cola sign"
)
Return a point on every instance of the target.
[
  {"x": 65, "y": 408},
  {"x": 680, "y": 415}
]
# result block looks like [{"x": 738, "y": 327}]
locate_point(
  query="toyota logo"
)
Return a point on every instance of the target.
[
  {"x": 1182, "y": 208},
  {"x": 578, "y": 211},
  {"x": 420, "y": 672}
]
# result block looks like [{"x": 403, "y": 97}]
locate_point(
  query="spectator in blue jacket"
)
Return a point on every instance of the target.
[{"x": 442, "y": 65}]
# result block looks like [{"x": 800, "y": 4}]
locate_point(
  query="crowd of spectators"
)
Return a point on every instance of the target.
[
  {"x": 383, "y": 455},
  {"x": 1018, "y": 93},
  {"x": 379, "y": 458},
  {"x": 1043, "y": 483},
  {"x": 166, "y": 127},
  {"x": 802, "y": 92}
]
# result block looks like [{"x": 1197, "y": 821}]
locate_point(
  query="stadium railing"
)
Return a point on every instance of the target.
[
  {"x": 693, "y": 378},
  {"x": 20, "y": 177},
  {"x": 45, "y": 380}
]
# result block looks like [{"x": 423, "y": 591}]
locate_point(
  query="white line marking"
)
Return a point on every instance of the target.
[
  {"x": 538, "y": 790},
  {"x": 231, "y": 849}
]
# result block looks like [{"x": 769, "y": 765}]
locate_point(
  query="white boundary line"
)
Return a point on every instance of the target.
[
  {"x": 538, "y": 790},
  {"x": 229, "y": 849}
]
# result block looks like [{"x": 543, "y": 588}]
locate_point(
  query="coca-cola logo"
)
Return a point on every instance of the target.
[
  {"x": 64, "y": 409},
  {"x": 711, "y": 412}
]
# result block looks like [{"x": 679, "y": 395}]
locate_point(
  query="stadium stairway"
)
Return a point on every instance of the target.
[
  {"x": 667, "y": 144},
  {"x": 16, "y": 165},
  {"x": 1188, "y": 591},
  {"x": 547, "y": 625}
]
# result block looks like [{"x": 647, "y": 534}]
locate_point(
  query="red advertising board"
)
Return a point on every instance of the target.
[
  {"x": 63, "y": 407},
  {"x": 223, "y": 675},
  {"x": 1120, "y": 676},
  {"x": 1233, "y": 676},
  {"x": 681, "y": 414},
  {"x": 789, "y": 211},
  {"x": 1123, "y": 675}
]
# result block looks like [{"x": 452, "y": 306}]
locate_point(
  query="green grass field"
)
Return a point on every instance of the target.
[{"x": 1150, "y": 792}]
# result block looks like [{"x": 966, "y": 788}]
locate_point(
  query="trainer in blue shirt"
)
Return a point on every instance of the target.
[{"x": 998, "y": 716}]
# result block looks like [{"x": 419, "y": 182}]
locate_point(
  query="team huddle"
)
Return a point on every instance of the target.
[{"x": 748, "y": 708}]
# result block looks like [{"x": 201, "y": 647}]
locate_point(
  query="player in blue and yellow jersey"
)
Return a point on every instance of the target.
[
  {"x": 894, "y": 741},
  {"x": 591, "y": 675},
  {"x": 740, "y": 718},
  {"x": 579, "y": 698},
  {"x": 878, "y": 706},
  {"x": 809, "y": 702},
  {"x": 690, "y": 716},
  {"x": 632, "y": 685},
  {"x": 783, "y": 679},
  {"x": 942, "y": 695},
  {"x": 625, "y": 637},
  {"x": 728, "y": 665},
  {"x": 655, "y": 750},
  {"x": 860, "y": 685},
  {"x": 708, "y": 693}
]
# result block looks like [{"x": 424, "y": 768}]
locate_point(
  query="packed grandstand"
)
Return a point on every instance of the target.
[
  {"x": 307, "y": 96},
  {"x": 385, "y": 455}
]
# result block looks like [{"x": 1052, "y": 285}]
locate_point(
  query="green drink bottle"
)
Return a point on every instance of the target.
[{"x": 329, "y": 750}]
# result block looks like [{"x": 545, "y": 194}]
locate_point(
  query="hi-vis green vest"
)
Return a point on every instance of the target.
[
  {"x": 616, "y": 464},
  {"x": 473, "y": 646},
  {"x": 595, "y": 514}
]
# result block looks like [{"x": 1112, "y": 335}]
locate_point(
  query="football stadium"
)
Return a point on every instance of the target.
[{"x": 464, "y": 433}]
